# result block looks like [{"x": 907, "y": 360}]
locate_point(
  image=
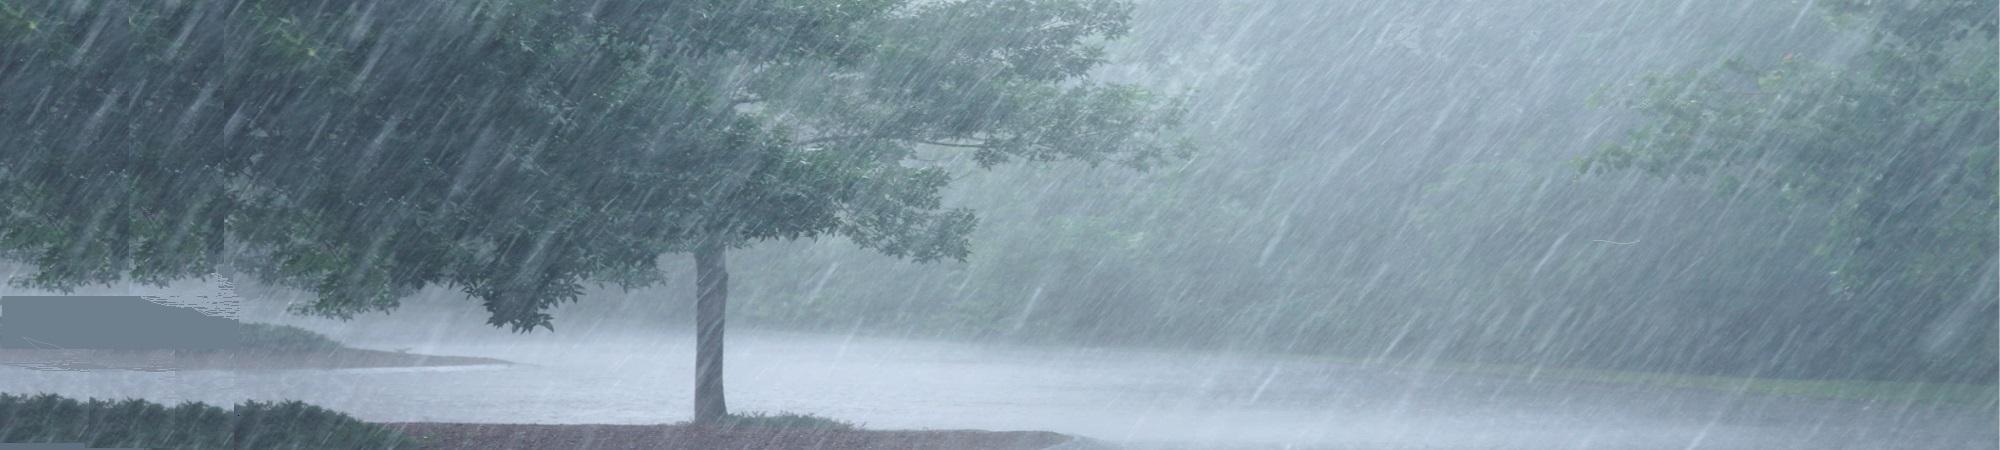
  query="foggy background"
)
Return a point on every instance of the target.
[
  {"x": 1391, "y": 181},
  {"x": 1389, "y": 234}
]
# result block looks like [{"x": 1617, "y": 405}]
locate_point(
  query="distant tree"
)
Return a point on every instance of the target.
[{"x": 1899, "y": 142}]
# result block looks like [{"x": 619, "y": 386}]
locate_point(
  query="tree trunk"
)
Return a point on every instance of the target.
[
  {"x": 218, "y": 233},
  {"x": 711, "y": 304}
]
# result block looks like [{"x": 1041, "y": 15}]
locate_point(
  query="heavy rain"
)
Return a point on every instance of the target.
[{"x": 1000, "y": 224}]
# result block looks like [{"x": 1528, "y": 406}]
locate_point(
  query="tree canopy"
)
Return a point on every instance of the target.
[
  {"x": 1898, "y": 140},
  {"x": 519, "y": 149}
]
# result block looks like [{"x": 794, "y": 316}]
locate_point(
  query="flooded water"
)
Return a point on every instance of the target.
[{"x": 1134, "y": 398}]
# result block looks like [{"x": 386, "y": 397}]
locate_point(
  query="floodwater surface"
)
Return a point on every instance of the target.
[{"x": 1137, "y": 399}]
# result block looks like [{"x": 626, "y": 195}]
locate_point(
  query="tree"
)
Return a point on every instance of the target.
[
  {"x": 1002, "y": 80},
  {"x": 517, "y": 149},
  {"x": 1898, "y": 141},
  {"x": 784, "y": 142},
  {"x": 363, "y": 151},
  {"x": 519, "y": 200},
  {"x": 358, "y": 150}
]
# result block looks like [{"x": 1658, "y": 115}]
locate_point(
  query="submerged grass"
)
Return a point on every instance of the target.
[
  {"x": 1889, "y": 391},
  {"x": 283, "y": 338},
  {"x": 273, "y": 338},
  {"x": 784, "y": 420},
  {"x": 1860, "y": 390}
]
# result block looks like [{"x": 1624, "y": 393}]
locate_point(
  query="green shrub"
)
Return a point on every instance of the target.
[{"x": 49, "y": 418}]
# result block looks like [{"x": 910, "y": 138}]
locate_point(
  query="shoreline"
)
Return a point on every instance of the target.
[
  {"x": 456, "y": 436},
  {"x": 156, "y": 361}
]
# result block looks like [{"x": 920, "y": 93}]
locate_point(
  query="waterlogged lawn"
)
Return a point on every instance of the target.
[
  {"x": 785, "y": 420},
  {"x": 1881, "y": 391},
  {"x": 1917, "y": 392}
]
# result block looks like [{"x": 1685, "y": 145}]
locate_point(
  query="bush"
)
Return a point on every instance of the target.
[{"x": 49, "y": 418}]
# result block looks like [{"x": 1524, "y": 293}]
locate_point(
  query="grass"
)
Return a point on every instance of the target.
[
  {"x": 50, "y": 418},
  {"x": 1860, "y": 390},
  {"x": 784, "y": 420}
]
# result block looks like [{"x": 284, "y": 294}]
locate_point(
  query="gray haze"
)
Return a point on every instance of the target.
[
  {"x": 1384, "y": 240},
  {"x": 1385, "y": 180}
]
